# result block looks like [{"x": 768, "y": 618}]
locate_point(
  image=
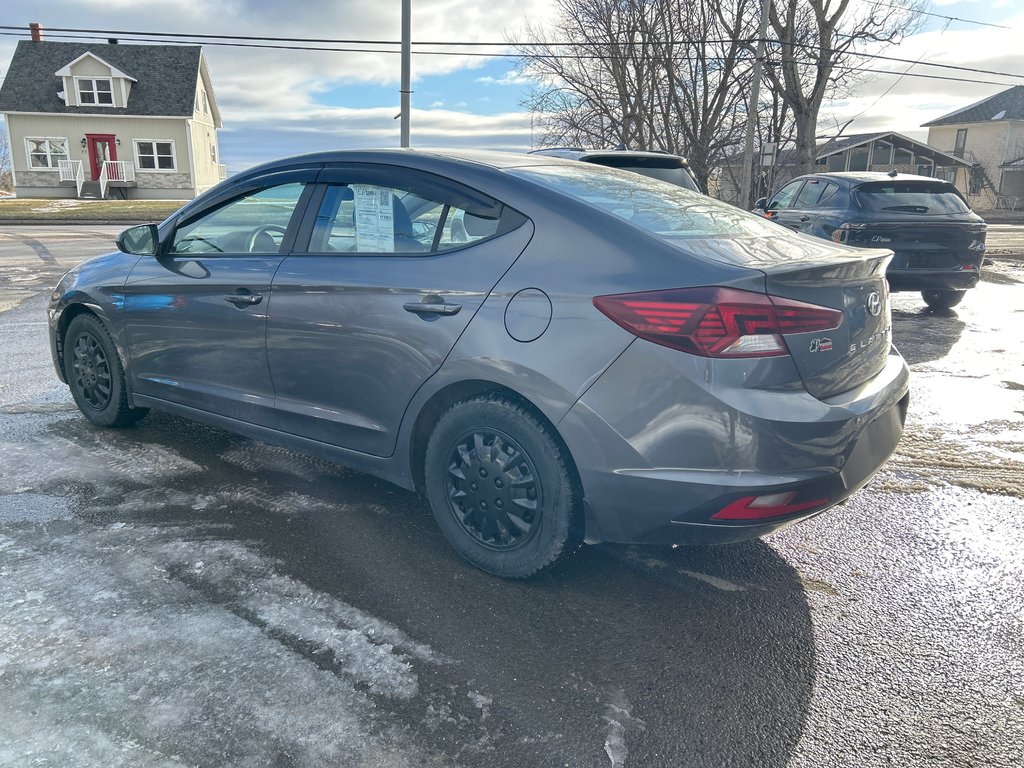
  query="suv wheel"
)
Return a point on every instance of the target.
[
  {"x": 942, "y": 299},
  {"x": 95, "y": 375}
]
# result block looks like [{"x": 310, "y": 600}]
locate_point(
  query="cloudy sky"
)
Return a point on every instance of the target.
[{"x": 277, "y": 103}]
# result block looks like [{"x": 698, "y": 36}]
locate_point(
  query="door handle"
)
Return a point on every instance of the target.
[
  {"x": 242, "y": 300},
  {"x": 805, "y": 218},
  {"x": 419, "y": 308}
]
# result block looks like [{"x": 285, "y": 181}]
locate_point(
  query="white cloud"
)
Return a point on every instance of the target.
[
  {"x": 511, "y": 77},
  {"x": 914, "y": 101},
  {"x": 269, "y": 135}
]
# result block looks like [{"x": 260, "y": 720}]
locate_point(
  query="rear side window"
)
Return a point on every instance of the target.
[{"x": 910, "y": 197}]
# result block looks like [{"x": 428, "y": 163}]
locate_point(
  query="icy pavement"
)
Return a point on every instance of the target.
[{"x": 130, "y": 645}]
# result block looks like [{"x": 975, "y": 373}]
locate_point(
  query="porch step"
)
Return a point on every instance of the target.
[{"x": 90, "y": 190}]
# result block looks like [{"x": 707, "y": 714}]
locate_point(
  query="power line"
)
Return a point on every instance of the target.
[
  {"x": 201, "y": 40},
  {"x": 182, "y": 38},
  {"x": 949, "y": 18}
]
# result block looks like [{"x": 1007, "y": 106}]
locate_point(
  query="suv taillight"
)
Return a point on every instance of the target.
[{"x": 716, "y": 322}]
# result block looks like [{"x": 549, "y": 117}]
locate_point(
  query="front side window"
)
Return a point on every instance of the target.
[
  {"x": 254, "y": 223},
  {"x": 95, "y": 91},
  {"x": 46, "y": 153},
  {"x": 155, "y": 155},
  {"x": 815, "y": 193},
  {"x": 369, "y": 218},
  {"x": 785, "y": 196}
]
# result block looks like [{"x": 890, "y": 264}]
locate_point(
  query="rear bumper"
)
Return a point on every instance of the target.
[
  {"x": 820, "y": 450},
  {"x": 926, "y": 279}
]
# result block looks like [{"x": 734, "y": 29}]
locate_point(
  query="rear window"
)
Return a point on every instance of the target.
[
  {"x": 666, "y": 210},
  {"x": 910, "y": 197},
  {"x": 670, "y": 169}
]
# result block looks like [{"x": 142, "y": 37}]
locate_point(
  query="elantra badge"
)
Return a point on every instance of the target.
[{"x": 874, "y": 304}]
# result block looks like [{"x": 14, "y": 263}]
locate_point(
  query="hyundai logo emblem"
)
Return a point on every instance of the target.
[{"x": 874, "y": 304}]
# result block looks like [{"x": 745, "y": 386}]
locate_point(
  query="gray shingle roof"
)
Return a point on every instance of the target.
[
  {"x": 1005, "y": 105},
  {"x": 166, "y": 76}
]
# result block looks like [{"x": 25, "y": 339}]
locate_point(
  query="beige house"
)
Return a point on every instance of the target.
[
  {"x": 989, "y": 134},
  {"x": 103, "y": 120}
]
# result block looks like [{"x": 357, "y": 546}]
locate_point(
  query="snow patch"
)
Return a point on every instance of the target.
[{"x": 141, "y": 646}]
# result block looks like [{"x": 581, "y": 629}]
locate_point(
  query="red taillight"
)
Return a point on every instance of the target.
[
  {"x": 716, "y": 322},
  {"x": 759, "y": 507}
]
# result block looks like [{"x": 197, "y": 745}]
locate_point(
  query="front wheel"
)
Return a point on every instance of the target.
[
  {"x": 95, "y": 375},
  {"x": 942, "y": 299},
  {"x": 500, "y": 487}
]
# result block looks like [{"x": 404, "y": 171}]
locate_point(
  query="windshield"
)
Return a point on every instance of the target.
[
  {"x": 910, "y": 197},
  {"x": 670, "y": 169},
  {"x": 663, "y": 209}
]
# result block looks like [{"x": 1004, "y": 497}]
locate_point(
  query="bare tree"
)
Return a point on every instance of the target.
[
  {"x": 6, "y": 174},
  {"x": 648, "y": 74},
  {"x": 814, "y": 54}
]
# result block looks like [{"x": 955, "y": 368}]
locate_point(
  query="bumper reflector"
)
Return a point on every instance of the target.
[{"x": 759, "y": 507}]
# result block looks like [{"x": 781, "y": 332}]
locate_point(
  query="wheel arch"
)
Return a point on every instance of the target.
[
  {"x": 69, "y": 313},
  {"x": 446, "y": 397}
]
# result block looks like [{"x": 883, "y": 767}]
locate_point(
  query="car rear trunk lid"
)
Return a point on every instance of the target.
[{"x": 838, "y": 360}]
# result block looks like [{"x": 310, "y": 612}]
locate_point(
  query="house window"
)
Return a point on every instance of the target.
[
  {"x": 213, "y": 153},
  {"x": 46, "y": 153},
  {"x": 961, "y": 142},
  {"x": 96, "y": 91},
  {"x": 155, "y": 155}
]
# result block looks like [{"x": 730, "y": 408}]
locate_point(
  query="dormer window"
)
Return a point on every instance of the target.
[{"x": 95, "y": 91}]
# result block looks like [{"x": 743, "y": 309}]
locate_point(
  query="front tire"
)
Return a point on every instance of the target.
[
  {"x": 95, "y": 375},
  {"x": 942, "y": 299},
  {"x": 500, "y": 487}
]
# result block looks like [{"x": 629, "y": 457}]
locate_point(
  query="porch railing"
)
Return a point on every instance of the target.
[
  {"x": 72, "y": 170},
  {"x": 115, "y": 170}
]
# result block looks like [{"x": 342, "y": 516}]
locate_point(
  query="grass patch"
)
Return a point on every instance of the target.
[{"x": 58, "y": 210}]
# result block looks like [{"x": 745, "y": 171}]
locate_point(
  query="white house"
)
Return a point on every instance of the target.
[{"x": 99, "y": 120}]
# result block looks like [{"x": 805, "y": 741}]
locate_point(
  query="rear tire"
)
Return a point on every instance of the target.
[
  {"x": 95, "y": 374},
  {"x": 942, "y": 299},
  {"x": 500, "y": 487}
]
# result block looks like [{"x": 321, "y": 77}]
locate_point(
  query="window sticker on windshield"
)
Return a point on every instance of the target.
[{"x": 375, "y": 219}]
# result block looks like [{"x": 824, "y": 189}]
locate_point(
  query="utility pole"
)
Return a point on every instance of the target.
[
  {"x": 748, "y": 152},
  {"x": 406, "y": 69}
]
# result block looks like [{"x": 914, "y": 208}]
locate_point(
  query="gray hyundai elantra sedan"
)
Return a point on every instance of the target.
[{"x": 552, "y": 353}]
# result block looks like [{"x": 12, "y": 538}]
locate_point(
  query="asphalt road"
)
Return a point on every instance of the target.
[{"x": 173, "y": 595}]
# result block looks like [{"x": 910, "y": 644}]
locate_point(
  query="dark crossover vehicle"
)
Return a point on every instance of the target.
[
  {"x": 938, "y": 242},
  {"x": 656, "y": 165},
  {"x": 551, "y": 353}
]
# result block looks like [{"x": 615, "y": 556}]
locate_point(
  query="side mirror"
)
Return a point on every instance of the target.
[
  {"x": 139, "y": 241},
  {"x": 761, "y": 204}
]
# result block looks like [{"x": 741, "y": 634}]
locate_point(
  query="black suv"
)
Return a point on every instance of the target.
[
  {"x": 939, "y": 243},
  {"x": 657, "y": 165}
]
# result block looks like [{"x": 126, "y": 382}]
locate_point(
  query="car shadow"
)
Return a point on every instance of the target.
[
  {"x": 701, "y": 656},
  {"x": 925, "y": 334}
]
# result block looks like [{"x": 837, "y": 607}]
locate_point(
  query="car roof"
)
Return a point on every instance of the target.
[
  {"x": 866, "y": 176},
  {"x": 576, "y": 153},
  {"x": 483, "y": 157}
]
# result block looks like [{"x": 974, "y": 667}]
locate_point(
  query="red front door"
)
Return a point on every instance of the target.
[{"x": 102, "y": 147}]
